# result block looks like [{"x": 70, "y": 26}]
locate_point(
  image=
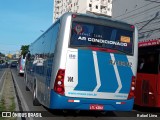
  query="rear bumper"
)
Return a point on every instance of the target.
[
  {"x": 21, "y": 71},
  {"x": 61, "y": 102}
]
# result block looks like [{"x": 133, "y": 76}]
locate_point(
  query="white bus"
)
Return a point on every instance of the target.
[
  {"x": 84, "y": 62},
  {"x": 21, "y": 65}
]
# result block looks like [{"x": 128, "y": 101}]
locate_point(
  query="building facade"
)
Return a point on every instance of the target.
[
  {"x": 99, "y": 7},
  {"x": 145, "y": 14}
]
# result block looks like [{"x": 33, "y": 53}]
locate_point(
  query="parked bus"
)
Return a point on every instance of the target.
[
  {"x": 148, "y": 74},
  {"x": 84, "y": 62}
]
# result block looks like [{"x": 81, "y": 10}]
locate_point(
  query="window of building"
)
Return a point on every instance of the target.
[
  {"x": 90, "y": 5},
  {"x": 96, "y": 6}
]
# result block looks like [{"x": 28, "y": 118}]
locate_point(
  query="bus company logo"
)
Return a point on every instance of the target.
[
  {"x": 72, "y": 56},
  {"x": 6, "y": 114},
  {"x": 120, "y": 63},
  {"x": 78, "y": 29},
  {"x": 70, "y": 79}
]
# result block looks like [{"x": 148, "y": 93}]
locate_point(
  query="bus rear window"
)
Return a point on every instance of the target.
[{"x": 92, "y": 35}]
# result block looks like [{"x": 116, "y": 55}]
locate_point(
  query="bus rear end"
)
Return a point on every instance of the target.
[
  {"x": 100, "y": 66},
  {"x": 148, "y": 74}
]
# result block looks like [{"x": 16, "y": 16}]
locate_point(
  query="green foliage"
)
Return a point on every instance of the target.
[
  {"x": 2, "y": 105},
  {"x": 24, "y": 49},
  {"x": 2, "y": 55}
]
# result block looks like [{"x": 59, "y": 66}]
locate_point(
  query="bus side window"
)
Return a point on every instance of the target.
[{"x": 141, "y": 65}]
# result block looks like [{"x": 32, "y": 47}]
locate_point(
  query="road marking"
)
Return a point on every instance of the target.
[
  {"x": 21, "y": 96},
  {"x": 1, "y": 90}
]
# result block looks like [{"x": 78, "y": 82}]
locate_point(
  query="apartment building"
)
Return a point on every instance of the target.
[{"x": 99, "y": 7}]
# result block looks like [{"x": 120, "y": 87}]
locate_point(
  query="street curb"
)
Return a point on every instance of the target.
[
  {"x": 18, "y": 101},
  {"x": 15, "y": 98}
]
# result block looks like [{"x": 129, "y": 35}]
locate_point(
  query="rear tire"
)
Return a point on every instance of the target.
[
  {"x": 35, "y": 100},
  {"x": 25, "y": 80},
  {"x": 27, "y": 89}
]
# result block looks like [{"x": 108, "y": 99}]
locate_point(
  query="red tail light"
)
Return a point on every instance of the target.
[
  {"x": 59, "y": 82},
  {"x": 132, "y": 90},
  {"x": 74, "y": 15},
  {"x": 132, "y": 26},
  {"x": 20, "y": 67}
]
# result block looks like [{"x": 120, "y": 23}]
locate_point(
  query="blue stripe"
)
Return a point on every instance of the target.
[
  {"x": 107, "y": 73},
  {"x": 125, "y": 73},
  {"x": 86, "y": 71}
]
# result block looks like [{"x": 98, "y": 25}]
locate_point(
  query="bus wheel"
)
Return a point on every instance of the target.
[
  {"x": 25, "y": 80},
  {"x": 35, "y": 100},
  {"x": 27, "y": 89}
]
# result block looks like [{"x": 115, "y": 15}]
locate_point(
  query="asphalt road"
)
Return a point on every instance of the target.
[
  {"x": 2, "y": 73},
  {"x": 26, "y": 105}
]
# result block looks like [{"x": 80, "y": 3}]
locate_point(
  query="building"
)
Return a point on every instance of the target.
[
  {"x": 99, "y": 7},
  {"x": 145, "y": 14}
]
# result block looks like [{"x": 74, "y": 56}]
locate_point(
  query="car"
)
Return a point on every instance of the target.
[{"x": 13, "y": 64}]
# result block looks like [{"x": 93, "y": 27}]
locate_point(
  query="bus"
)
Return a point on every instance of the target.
[
  {"x": 21, "y": 65},
  {"x": 84, "y": 62},
  {"x": 148, "y": 74}
]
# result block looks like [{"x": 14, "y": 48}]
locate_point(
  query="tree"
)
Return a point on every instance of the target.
[
  {"x": 24, "y": 49},
  {"x": 2, "y": 55}
]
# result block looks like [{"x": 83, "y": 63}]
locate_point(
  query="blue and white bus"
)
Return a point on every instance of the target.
[{"x": 84, "y": 62}]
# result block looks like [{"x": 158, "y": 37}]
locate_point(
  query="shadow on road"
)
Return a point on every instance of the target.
[
  {"x": 147, "y": 109},
  {"x": 82, "y": 113}
]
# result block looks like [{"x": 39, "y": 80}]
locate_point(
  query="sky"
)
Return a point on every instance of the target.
[{"x": 22, "y": 22}]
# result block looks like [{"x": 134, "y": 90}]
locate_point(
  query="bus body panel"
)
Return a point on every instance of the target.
[
  {"x": 147, "y": 93},
  {"x": 75, "y": 103},
  {"x": 106, "y": 80}
]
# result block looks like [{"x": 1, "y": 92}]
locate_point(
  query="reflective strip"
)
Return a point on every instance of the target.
[
  {"x": 118, "y": 102},
  {"x": 73, "y": 100},
  {"x": 76, "y": 100},
  {"x": 117, "y": 74},
  {"x": 96, "y": 71}
]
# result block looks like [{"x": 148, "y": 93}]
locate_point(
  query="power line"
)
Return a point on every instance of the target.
[
  {"x": 132, "y": 10},
  {"x": 152, "y": 1},
  {"x": 145, "y": 21},
  {"x": 149, "y": 31},
  {"x": 140, "y": 12},
  {"x": 149, "y": 21}
]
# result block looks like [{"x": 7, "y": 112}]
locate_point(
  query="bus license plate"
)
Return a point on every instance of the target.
[{"x": 96, "y": 107}]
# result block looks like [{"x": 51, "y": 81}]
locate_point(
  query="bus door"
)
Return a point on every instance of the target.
[{"x": 147, "y": 79}]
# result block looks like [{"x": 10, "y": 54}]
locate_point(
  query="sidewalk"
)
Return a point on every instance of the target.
[{"x": 7, "y": 96}]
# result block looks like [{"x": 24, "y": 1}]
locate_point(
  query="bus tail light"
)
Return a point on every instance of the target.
[
  {"x": 20, "y": 67},
  {"x": 74, "y": 15},
  {"x": 132, "y": 90},
  {"x": 132, "y": 26},
  {"x": 59, "y": 82}
]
